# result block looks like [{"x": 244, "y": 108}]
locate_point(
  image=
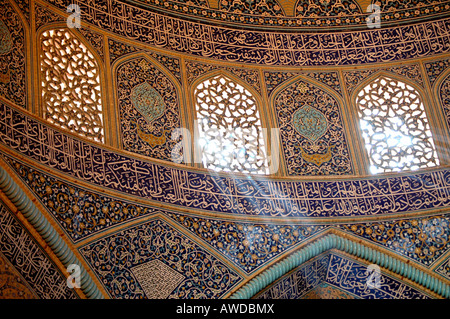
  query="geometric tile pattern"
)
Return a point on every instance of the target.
[
  {"x": 157, "y": 279},
  {"x": 147, "y": 136}
]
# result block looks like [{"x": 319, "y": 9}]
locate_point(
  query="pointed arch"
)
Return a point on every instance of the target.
[
  {"x": 309, "y": 149},
  {"x": 229, "y": 124},
  {"x": 148, "y": 107},
  {"x": 360, "y": 249},
  {"x": 394, "y": 124},
  {"x": 71, "y": 82}
]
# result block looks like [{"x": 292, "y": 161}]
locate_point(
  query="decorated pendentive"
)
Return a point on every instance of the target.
[
  {"x": 312, "y": 131},
  {"x": 149, "y": 110}
]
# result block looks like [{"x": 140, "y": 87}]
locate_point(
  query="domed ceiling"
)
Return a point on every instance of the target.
[{"x": 343, "y": 191}]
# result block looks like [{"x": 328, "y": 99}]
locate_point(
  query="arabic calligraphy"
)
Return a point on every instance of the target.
[
  {"x": 301, "y": 49},
  {"x": 93, "y": 164},
  {"x": 19, "y": 248}
]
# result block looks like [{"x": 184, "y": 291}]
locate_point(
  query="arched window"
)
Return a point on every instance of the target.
[
  {"x": 70, "y": 84},
  {"x": 395, "y": 127},
  {"x": 230, "y": 131}
]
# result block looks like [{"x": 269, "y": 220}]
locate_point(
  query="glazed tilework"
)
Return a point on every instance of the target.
[
  {"x": 299, "y": 281},
  {"x": 344, "y": 274},
  {"x": 150, "y": 137},
  {"x": 44, "y": 16},
  {"x": 258, "y": 47},
  {"x": 411, "y": 72},
  {"x": 274, "y": 79},
  {"x": 24, "y": 6},
  {"x": 12, "y": 286},
  {"x": 444, "y": 95},
  {"x": 259, "y": 197},
  {"x": 194, "y": 70},
  {"x": 444, "y": 269},
  {"x": 118, "y": 49},
  {"x": 435, "y": 68},
  {"x": 247, "y": 245},
  {"x": 112, "y": 256},
  {"x": 28, "y": 258},
  {"x": 80, "y": 212},
  {"x": 327, "y": 154},
  {"x": 297, "y": 14},
  {"x": 422, "y": 239},
  {"x": 83, "y": 213},
  {"x": 13, "y": 84}
]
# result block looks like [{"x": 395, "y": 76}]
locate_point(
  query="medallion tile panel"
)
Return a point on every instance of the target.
[
  {"x": 44, "y": 16},
  {"x": 312, "y": 132},
  {"x": 80, "y": 212},
  {"x": 149, "y": 109},
  {"x": 265, "y": 14},
  {"x": 354, "y": 78},
  {"x": 24, "y": 6}
]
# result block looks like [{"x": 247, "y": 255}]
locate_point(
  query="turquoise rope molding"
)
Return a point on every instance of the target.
[
  {"x": 16, "y": 195},
  {"x": 331, "y": 241}
]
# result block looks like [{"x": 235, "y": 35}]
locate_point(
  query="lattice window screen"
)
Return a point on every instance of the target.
[
  {"x": 70, "y": 83},
  {"x": 395, "y": 127},
  {"x": 230, "y": 131}
]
